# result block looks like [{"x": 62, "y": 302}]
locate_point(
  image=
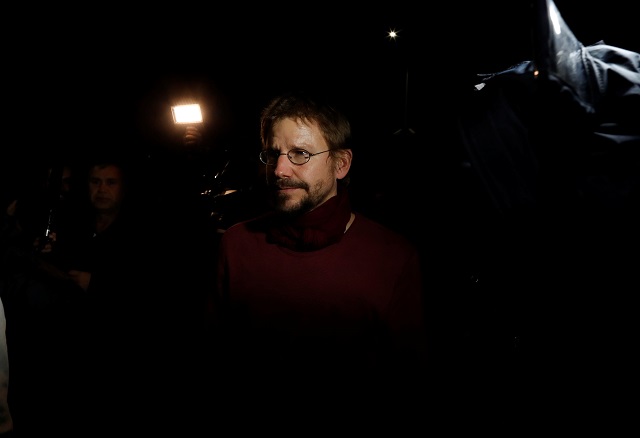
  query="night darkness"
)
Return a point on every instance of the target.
[
  {"x": 123, "y": 69},
  {"x": 76, "y": 80}
]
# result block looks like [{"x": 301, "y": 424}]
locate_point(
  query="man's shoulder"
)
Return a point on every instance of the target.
[
  {"x": 252, "y": 225},
  {"x": 379, "y": 230}
]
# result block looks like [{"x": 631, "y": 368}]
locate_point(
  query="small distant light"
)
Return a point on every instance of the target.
[
  {"x": 185, "y": 114},
  {"x": 393, "y": 34}
]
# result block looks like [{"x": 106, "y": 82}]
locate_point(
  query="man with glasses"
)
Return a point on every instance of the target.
[{"x": 311, "y": 293}]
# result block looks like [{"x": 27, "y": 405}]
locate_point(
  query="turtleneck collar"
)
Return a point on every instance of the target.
[{"x": 319, "y": 228}]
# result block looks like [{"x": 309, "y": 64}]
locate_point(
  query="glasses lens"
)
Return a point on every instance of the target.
[
  {"x": 298, "y": 156},
  {"x": 269, "y": 157}
]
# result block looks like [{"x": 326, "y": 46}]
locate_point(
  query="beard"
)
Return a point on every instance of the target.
[{"x": 310, "y": 200}]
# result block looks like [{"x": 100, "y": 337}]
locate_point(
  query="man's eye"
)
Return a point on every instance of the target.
[{"x": 300, "y": 153}]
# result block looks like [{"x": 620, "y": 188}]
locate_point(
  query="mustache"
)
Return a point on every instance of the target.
[{"x": 287, "y": 184}]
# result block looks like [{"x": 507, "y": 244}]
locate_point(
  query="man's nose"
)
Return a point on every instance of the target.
[{"x": 283, "y": 166}]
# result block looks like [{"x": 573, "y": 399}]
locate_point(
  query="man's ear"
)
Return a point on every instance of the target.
[{"x": 343, "y": 162}]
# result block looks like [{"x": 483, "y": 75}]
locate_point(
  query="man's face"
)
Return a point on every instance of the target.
[
  {"x": 106, "y": 188},
  {"x": 300, "y": 188}
]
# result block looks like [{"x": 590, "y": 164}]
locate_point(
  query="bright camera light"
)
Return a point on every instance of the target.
[{"x": 185, "y": 114}]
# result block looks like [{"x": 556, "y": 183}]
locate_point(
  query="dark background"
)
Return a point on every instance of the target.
[
  {"x": 79, "y": 77},
  {"x": 73, "y": 74}
]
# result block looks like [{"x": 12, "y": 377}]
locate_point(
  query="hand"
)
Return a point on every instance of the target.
[
  {"x": 192, "y": 136},
  {"x": 81, "y": 278},
  {"x": 44, "y": 245},
  {"x": 12, "y": 207}
]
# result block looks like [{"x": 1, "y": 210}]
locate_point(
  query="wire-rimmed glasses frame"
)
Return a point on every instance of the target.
[{"x": 295, "y": 156}]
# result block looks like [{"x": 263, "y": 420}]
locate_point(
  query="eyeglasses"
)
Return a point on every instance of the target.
[{"x": 296, "y": 156}]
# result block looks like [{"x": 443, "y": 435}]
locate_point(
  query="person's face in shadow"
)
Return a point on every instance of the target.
[{"x": 106, "y": 188}]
